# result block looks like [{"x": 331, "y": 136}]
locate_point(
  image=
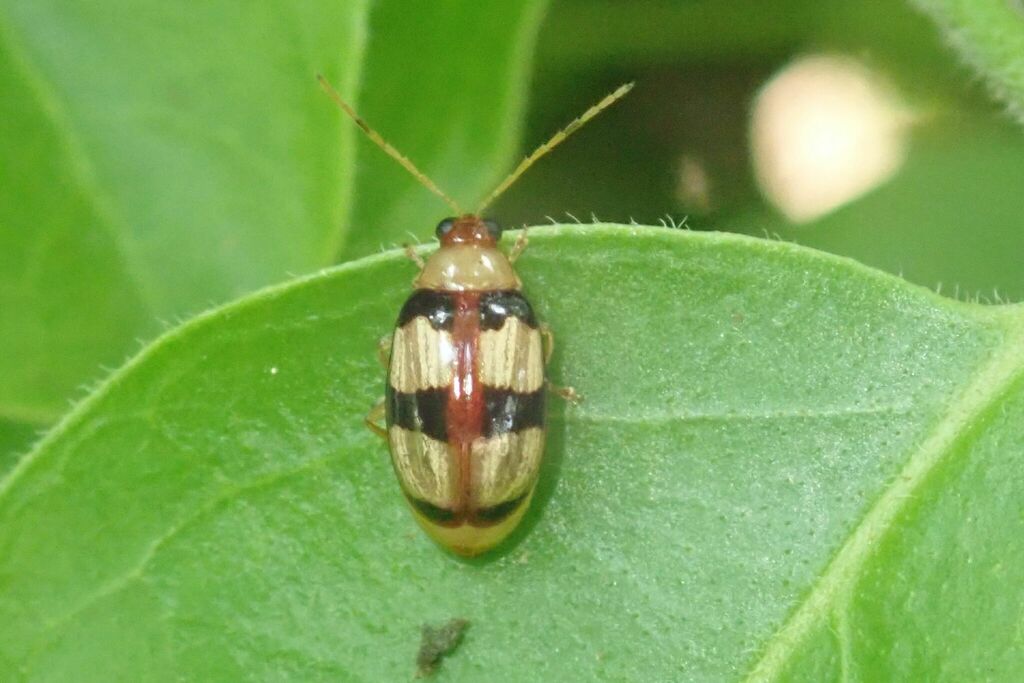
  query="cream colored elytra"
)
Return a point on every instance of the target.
[
  {"x": 461, "y": 267},
  {"x": 424, "y": 465},
  {"x": 512, "y": 357},
  {"x": 421, "y": 357}
]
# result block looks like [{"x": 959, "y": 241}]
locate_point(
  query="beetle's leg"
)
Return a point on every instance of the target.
[
  {"x": 518, "y": 246},
  {"x": 548, "y": 341},
  {"x": 416, "y": 258},
  {"x": 374, "y": 417},
  {"x": 567, "y": 393},
  {"x": 384, "y": 351}
]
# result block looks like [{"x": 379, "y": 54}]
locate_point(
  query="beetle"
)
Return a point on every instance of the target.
[{"x": 464, "y": 403}]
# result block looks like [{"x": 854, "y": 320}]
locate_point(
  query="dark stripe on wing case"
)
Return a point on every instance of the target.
[
  {"x": 496, "y": 307},
  {"x": 437, "y": 307},
  {"x": 438, "y": 515},
  {"x": 422, "y": 411},
  {"x": 511, "y": 411},
  {"x": 495, "y": 514}
]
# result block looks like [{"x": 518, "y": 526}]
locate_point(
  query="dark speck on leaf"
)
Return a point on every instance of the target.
[{"x": 437, "y": 643}]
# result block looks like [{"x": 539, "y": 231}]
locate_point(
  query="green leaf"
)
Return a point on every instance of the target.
[
  {"x": 989, "y": 35},
  {"x": 787, "y": 466},
  {"x": 153, "y": 161},
  {"x": 15, "y": 439},
  {"x": 446, "y": 85}
]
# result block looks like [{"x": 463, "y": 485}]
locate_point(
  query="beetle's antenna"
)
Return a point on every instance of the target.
[
  {"x": 555, "y": 140},
  {"x": 384, "y": 145}
]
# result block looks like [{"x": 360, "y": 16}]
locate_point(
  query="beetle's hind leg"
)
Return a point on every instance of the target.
[
  {"x": 374, "y": 417},
  {"x": 567, "y": 393}
]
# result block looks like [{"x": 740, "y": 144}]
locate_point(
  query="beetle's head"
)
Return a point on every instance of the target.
[{"x": 468, "y": 229}]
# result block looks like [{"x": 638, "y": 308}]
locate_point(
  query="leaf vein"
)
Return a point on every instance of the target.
[
  {"x": 652, "y": 419},
  {"x": 138, "y": 570},
  {"x": 991, "y": 383}
]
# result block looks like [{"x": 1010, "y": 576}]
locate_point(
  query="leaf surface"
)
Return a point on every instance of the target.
[
  {"x": 787, "y": 466},
  {"x": 989, "y": 36}
]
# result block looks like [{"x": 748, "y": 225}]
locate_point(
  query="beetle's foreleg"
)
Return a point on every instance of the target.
[
  {"x": 519, "y": 246},
  {"x": 384, "y": 351},
  {"x": 413, "y": 256},
  {"x": 374, "y": 417}
]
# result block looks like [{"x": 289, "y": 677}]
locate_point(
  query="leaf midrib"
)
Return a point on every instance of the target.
[{"x": 990, "y": 385}]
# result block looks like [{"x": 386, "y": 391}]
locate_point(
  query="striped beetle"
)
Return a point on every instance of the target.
[{"x": 466, "y": 387}]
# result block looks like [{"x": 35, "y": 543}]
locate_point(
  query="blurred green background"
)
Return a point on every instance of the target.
[
  {"x": 158, "y": 159},
  {"x": 952, "y": 214}
]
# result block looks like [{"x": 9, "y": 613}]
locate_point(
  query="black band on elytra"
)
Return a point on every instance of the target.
[
  {"x": 419, "y": 411},
  {"x": 496, "y": 307},
  {"x": 511, "y": 411},
  {"x": 437, "y": 307}
]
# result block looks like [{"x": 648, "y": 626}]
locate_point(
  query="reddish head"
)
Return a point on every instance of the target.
[{"x": 468, "y": 229}]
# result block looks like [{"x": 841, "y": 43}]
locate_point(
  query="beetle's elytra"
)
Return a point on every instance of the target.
[
  {"x": 465, "y": 392},
  {"x": 466, "y": 383}
]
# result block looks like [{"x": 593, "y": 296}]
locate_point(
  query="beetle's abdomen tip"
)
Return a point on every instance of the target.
[
  {"x": 469, "y": 551},
  {"x": 468, "y": 540}
]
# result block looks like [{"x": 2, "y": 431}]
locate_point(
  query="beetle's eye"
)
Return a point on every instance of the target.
[
  {"x": 493, "y": 229},
  {"x": 444, "y": 227}
]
